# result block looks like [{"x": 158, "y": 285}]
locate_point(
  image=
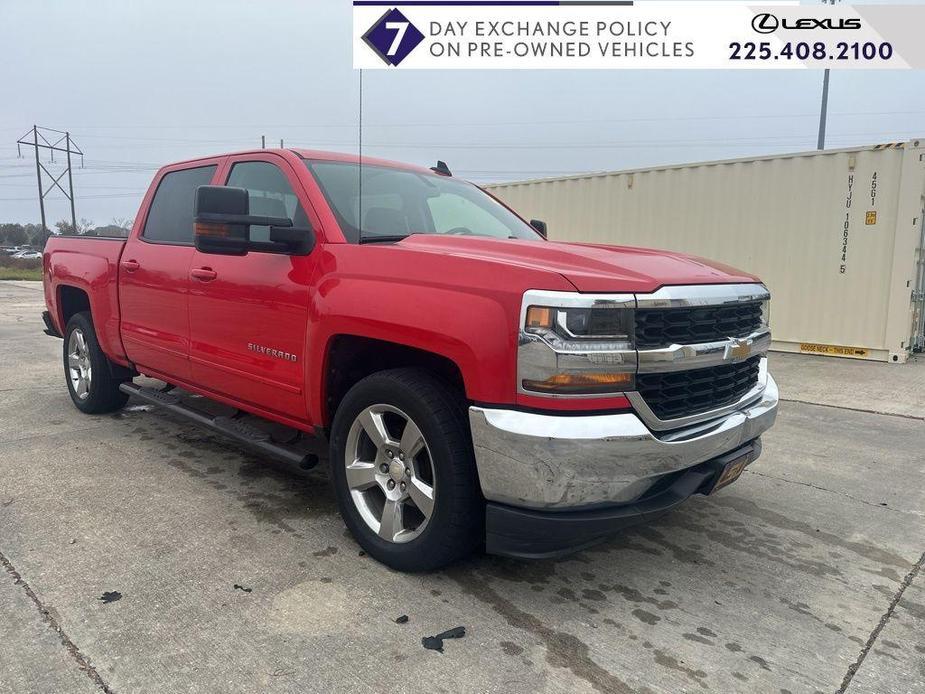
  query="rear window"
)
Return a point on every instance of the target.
[{"x": 170, "y": 219}]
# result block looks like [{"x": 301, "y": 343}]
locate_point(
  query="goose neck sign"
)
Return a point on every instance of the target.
[{"x": 575, "y": 34}]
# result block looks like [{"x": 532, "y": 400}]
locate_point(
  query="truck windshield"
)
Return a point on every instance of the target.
[{"x": 397, "y": 203}]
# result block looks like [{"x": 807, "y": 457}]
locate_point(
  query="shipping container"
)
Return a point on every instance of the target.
[{"x": 837, "y": 235}]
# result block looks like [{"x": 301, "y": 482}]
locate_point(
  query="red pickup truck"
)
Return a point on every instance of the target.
[{"x": 470, "y": 383}]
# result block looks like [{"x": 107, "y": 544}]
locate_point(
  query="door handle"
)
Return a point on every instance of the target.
[
  {"x": 130, "y": 265},
  {"x": 204, "y": 274}
]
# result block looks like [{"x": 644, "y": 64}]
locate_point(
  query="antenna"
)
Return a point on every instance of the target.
[
  {"x": 360, "y": 168},
  {"x": 441, "y": 168}
]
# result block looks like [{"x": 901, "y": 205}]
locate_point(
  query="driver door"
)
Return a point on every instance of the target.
[{"x": 249, "y": 314}]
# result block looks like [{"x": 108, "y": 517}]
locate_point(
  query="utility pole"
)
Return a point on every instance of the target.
[
  {"x": 38, "y": 174},
  {"x": 70, "y": 181},
  {"x": 281, "y": 145},
  {"x": 263, "y": 142},
  {"x": 820, "y": 144},
  {"x": 823, "y": 110},
  {"x": 53, "y": 145}
]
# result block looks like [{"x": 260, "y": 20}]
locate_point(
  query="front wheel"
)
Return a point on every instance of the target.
[
  {"x": 404, "y": 472},
  {"x": 90, "y": 382}
]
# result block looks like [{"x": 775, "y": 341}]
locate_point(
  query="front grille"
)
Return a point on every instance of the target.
[
  {"x": 681, "y": 393},
  {"x": 660, "y": 327}
]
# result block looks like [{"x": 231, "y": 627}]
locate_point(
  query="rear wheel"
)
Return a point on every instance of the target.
[
  {"x": 403, "y": 470},
  {"x": 87, "y": 371}
]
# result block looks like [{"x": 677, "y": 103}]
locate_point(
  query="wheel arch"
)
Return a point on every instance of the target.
[
  {"x": 74, "y": 294},
  {"x": 71, "y": 300},
  {"x": 351, "y": 358}
]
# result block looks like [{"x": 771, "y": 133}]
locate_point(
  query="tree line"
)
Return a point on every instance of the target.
[{"x": 15, "y": 234}]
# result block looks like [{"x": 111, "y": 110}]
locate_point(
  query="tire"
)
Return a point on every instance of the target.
[
  {"x": 443, "y": 460},
  {"x": 87, "y": 371}
]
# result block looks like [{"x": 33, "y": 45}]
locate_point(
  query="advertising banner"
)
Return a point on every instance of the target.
[{"x": 551, "y": 34}]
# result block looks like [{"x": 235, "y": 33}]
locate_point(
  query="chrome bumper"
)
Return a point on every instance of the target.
[{"x": 567, "y": 461}]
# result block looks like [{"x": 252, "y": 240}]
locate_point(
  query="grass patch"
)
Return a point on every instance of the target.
[{"x": 20, "y": 273}]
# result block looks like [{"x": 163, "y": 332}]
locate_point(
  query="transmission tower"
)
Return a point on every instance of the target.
[{"x": 40, "y": 141}]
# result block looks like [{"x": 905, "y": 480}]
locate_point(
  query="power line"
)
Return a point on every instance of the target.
[
  {"x": 123, "y": 167},
  {"x": 407, "y": 124},
  {"x": 84, "y": 197},
  {"x": 624, "y": 144},
  {"x": 632, "y": 143},
  {"x": 85, "y": 186}
]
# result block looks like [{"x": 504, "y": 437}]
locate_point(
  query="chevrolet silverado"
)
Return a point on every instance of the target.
[{"x": 470, "y": 383}]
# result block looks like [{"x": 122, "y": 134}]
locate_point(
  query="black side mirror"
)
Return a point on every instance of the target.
[
  {"x": 540, "y": 226},
  {"x": 223, "y": 220},
  {"x": 294, "y": 240}
]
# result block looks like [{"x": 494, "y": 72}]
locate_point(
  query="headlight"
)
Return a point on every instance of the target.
[
  {"x": 614, "y": 325},
  {"x": 766, "y": 313},
  {"x": 584, "y": 346}
]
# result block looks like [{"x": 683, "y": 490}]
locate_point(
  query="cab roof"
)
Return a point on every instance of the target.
[{"x": 315, "y": 154}]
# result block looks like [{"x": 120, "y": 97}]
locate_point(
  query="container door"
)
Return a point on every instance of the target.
[{"x": 918, "y": 296}]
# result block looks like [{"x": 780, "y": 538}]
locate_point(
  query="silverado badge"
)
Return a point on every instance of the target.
[{"x": 277, "y": 353}]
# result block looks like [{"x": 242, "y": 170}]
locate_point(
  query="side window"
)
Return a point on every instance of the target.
[
  {"x": 170, "y": 219},
  {"x": 269, "y": 194}
]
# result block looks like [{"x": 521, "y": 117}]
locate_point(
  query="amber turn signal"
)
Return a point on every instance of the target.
[
  {"x": 539, "y": 317},
  {"x": 582, "y": 383},
  {"x": 211, "y": 229}
]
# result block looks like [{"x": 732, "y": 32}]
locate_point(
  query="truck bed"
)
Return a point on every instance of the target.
[{"x": 89, "y": 264}]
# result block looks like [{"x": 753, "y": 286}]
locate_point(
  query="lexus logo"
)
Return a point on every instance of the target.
[{"x": 767, "y": 23}]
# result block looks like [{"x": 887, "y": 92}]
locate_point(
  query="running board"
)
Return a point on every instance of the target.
[{"x": 237, "y": 429}]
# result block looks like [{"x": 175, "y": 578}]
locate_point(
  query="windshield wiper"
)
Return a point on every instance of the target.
[{"x": 392, "y": 238}]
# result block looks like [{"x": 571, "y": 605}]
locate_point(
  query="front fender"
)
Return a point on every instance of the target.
[
  {"x": 476, "y": 332},
  {"x": 465, "y": 309}
]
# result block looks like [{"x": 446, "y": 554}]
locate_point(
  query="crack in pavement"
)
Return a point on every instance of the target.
[
  {"x": 914, "y": 418},
  {"x": 31, "y": 389},
  {"x": 875, "y": 634},
  {"x": 832, "y": 491},
  {"x": 51, "y": 434},
  {"x": 83, "y": 663}
]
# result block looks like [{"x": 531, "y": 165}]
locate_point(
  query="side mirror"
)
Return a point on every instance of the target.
[
  {"x": 223, "y": 220},
  {"x": 289, "y": 239},
  {"x": 540, "y": 226},
  {"x": 219, "y": 220}
]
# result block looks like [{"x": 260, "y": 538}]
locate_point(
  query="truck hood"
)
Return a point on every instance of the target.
[{"x": 589, "y": 267}]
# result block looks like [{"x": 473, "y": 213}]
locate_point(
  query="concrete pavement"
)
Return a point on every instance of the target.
[{"x": 235, "y": 576}]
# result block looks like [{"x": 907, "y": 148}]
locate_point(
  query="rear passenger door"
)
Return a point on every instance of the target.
[
  {"x": 154, "y": 277},
  {"x": 249, "y": 318}
]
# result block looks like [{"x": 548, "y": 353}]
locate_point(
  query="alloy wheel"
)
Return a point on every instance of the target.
[
  {"x": 390, "y": 473},
  {"x": 79, "y": 370}
]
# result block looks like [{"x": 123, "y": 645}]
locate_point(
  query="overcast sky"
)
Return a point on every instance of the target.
[{"x": 140, "y": 84}]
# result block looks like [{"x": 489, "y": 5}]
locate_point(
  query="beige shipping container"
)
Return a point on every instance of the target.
[{"x": 836, "y": 235}]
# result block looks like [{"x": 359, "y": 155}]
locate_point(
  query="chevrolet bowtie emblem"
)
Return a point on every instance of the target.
[{"x": 738, "y": 349}]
